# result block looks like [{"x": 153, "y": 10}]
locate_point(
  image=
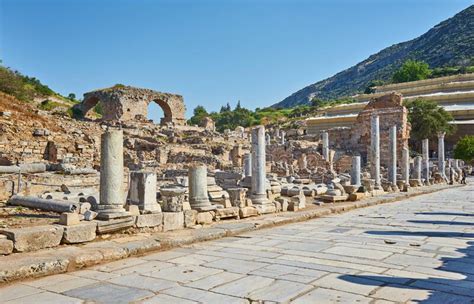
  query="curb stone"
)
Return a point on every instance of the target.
[{"x": 74, "y": 257}]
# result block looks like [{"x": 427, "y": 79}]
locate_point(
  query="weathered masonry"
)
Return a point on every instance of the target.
[{"x": 125, "y": 103}]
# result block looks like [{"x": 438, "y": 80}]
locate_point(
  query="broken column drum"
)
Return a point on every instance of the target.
[
  {"x": 355, "y": 171},
  {"x": 247, "y": 165},
  {"x": 392, "y": 169},
  {"x": 325, "y": 140},
  {"x": 111, "y": 175},
  {"x": 441, "y": 160},
  {"x": 406, "y": 166},
  {"x": 426, "y": 160},
  {"x": 259, "y": 193},
  {"x": 198, "y": 197},
  {"x": 375, "y": 149}
]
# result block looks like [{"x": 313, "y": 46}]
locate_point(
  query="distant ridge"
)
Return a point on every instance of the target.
[{"x": 449, "y": 43}]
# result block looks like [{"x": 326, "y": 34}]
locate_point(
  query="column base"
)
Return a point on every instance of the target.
[{"x": 263, "y": 205}]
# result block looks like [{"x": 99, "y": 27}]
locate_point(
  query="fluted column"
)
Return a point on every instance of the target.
[
  {"x": 392, "y": 169},
  {"x": 406, "y": 166},
  {"x": 325, "y": 140},
  {"x": 441, "y": 158},
  {"x": 426, "y": 160},
  {"x": 375, "y": 150}
]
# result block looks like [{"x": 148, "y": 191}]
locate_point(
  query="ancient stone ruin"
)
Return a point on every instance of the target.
[
  {"x": 125, "y": 103},
  {"x": 85, "y": 179}
]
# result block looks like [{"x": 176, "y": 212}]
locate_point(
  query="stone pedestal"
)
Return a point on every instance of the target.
[
  {"x": 198, "y": 197},
  {"x": 355, "y": 172},
  {"x": 325, "y": 140},
  {"x": 111, "y": 176},
  {"x": 406, "y": 166},
  {"x": 441, "y": 158},
  {"x": 426, "y": 161},
  {"x": 375, "y": 150},
  {"x": 173, "y": 199},
  {"x": 142, "y": 191},
  {"x": 259, "y": 193},
  {"x": 392, "y": 169}
]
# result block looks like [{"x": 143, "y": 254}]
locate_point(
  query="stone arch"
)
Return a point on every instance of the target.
[{"x": 125, "y": 103}]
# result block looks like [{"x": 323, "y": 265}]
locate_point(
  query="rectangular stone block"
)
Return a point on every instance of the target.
[
  {"x": 69, "y": 219},
  {"x": 149, "y": 220},
  {"x": 34, "y": 238},
  {"x": 173, "y": 220},
  {"x": 84, "y": 232},
  {"x": 227, "y": 212},
  {"x": 190, "y": 218},
  {"x": 247, "y": 212},
  {"x": 356, "y": 196},
  {"x": 6, "y": 246},
  {"x": 204, "y": 218},
  {"x": 333, "y": 198},
  {"x": 114, "y": 225}
]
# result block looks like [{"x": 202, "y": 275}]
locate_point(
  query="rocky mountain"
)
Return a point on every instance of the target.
[{"x": 450, "y": 43}]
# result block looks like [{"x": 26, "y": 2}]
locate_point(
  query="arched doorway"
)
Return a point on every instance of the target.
[{"x": 155, "y": 112}]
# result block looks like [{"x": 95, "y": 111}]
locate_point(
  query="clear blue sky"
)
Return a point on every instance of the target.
[{"x": 212, "y": 52}]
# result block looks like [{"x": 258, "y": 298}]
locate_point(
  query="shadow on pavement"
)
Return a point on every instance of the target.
[{"x": 443, "y": 288}]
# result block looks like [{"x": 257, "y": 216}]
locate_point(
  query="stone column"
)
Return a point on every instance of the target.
[
  {"x": 198, "y": 197},
  {"x": 417, "y": 169},
  {"x": 111, "y": 175},
  {"x": 406, "y": 166},
  {"x": 325, "y": 140},
  {"x": 259, "y": 193},
  {"x": 375, "y": 150},
  {"x": 355, "y": 172},
  {"x": 441, "y": 160},
  {"x": 142, "y": 191},
  {"x": 392, "y": 169},
  {"x": 247, "y": 165},
  {"x": 426, "y": 160},
  {"x": 283, "y": 133}
]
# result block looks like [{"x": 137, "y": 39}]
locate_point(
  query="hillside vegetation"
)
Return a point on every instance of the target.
[{"x": 448, "y": 44}]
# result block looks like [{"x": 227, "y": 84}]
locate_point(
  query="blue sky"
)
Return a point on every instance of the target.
[{"x": 211, "y": 51}]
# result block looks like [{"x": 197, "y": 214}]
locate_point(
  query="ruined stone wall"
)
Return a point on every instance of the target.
[{"x": 356, "y": 139}]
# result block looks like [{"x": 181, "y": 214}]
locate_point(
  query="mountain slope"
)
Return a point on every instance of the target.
[{"x": 449, "y": 43}]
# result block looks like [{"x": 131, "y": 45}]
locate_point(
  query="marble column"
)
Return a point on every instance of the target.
[
  {"x": 198, "y": 197},
  {"x": 417, "y": 168},
  {"x": 355, "y": 171},
  {"x": 375, "y": 150},
  {"x": 406, "y": 166},
  {"x": 112, "y": 197},
  {"x": 426, "y": 160},
  {"x": 247, "y": 164},
  {"x": 392, "y": 169},
  {"x": 282, "y": 137},
  {"x": 259, "y": 191},
  {"x": 441, "y": 158},
  {"x": 325, "y": 140},
  {"x": 142, "y": 191}
]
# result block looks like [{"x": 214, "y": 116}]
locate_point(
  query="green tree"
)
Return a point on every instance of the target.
[
  {"x": 198, "y": 114},
  {"x": 412, "y": 70},
  {"x": 371, "y": 87},
  {"x": 427, "y": 119},
  {"x": 465, "y": 148},
  {"x": 71, "y": 96}
]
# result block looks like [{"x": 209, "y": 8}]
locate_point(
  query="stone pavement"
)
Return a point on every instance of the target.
[{"x": 417, "y": 250}]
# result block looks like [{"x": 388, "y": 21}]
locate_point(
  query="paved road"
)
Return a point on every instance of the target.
[{"x": 418, "y": 250}]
